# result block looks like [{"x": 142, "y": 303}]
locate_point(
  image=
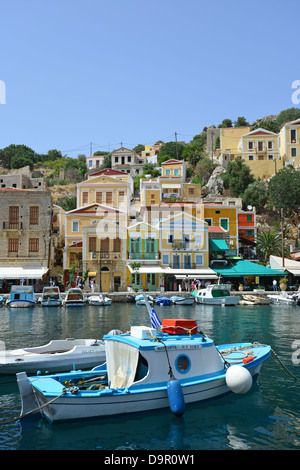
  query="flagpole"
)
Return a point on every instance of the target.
[{"x": 155, "y": 321}]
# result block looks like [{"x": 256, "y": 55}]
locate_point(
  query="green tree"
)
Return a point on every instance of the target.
[
  {"x": 16, "y": 151},
  {"x": 192, "y": 153},
  {"x": 19, "y": 162},
  {"x": 68, "y": 203},
  {"x": 290, "y": 114},
  {"x": 256, "y": 195},
  {"x": 199, "y": 140},
  {"x": 139, "y": 148},
  {"x": 172, "y": 149},
  {"x": 203, "y": 171},
  {"x": 268, "y": 243},
  {"x": 241, "y": 122},
  {"x": 237, "y": 177},
  {"x": 270, "y": 125},
  {"x": 106, "y": 162},
  {"x": 226, "y": 123},
  {"x": 284, "y": 190}
]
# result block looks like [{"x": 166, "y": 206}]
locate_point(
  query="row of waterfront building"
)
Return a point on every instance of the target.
[{"x": 169, "y": 233}]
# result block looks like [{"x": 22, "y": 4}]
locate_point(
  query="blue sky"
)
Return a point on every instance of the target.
[{"x": 106, "y": 72}]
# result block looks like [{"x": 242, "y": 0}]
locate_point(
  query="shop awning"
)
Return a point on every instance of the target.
[
  {"x": 241, "y": 268},
  {"x": 201, "y": 273},
  {"x": 218, "y": 245},
  {"x": 23, "y": 272},
  {"x": 171, "y": 185},
  {"x": 92, "y": 273},
  {"x": 290, "y": 266}
]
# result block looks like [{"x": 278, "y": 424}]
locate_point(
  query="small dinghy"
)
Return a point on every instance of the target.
[
  {"x": 169, "y": 365},
  {"x": 177, "y": 300},
  {"x": 162, "y": 300},
  {"x": 282, "y": 298},
  {"x": 254, "y": 300},
  {"x": 139, "y": 299},
  {"x": 99, "y": 300},
  {"x": 56, "y": 356}
]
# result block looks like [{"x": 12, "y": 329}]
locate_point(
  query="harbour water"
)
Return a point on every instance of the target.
[{"x": 266, "y": 418}]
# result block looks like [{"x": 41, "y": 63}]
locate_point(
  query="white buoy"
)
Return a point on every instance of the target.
[{"x": 238, "y": 379}]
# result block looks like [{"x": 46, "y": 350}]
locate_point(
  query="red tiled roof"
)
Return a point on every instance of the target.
[{"x": 216, "y": 229}]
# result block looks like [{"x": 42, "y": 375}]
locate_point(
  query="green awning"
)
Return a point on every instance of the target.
[
  {"x": 245, "y": 268},
  {"x": 218, "y": 245}
]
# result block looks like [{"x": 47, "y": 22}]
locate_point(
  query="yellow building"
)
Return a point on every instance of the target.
[
  {"x": 289, "y": 137},
  {"x": 143, "y": 258},
  {"x": 104, "y": 254},
  {"x": 150, "y": 191},
  {"x": 260, "y": 151},
  {"x": 81, "y": 217},
  {"x": 230, "y": 143},
  {"x": 225, "y": 216},
  {"x": 104, "y": 189}
]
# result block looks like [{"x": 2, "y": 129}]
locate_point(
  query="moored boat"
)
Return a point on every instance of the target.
[
  {"x": 51, "y": 297},
  {"x": 56, "y": 356},
  {"x": 139, "y": 299},
  {"x": 170, "y": 366},
  {"x": 74, "y": 298},
  {"x": 178, "y": 300},
  {"x": 249, "y": 299},
  {"x": 282, "y": 298},
  {"x": 21, "y": 297},
  {"x": 216, "y": 294},
  {"x": 162, "y": 300}
]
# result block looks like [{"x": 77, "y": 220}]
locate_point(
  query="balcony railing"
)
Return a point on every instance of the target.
[
  {"x": 12, "y": 225},
  {"x": 145, "y": 255},
  {"x": 106, "y": 255}
]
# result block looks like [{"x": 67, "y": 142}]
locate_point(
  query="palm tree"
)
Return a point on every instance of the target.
[{"x": 269, "y": 243}]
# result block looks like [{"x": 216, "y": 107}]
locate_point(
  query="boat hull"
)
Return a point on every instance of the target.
[
  {"x": 119, "y": 403},
  {"x": 230, "y": 300},
  {"x": 20, "y": 304}
]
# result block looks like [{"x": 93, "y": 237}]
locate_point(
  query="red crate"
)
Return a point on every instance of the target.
[{"x": 179, "y": 326}]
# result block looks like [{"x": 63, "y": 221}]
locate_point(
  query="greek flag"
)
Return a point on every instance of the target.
[{"x": 155, "y": 322}]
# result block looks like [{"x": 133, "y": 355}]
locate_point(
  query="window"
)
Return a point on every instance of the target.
[
  {"x": 249, "y": 218},
  {"x": 224, "y": 224},
  {"x": 13, "y": 245},
  {"x": 199, "y": 259},
  {"x": 92, "y": 244},
  {"x": 129, "y": 159},
  {"x": 270, "y": 157},
  {"x": 13, "y": 217},
  {"x": 250, "y": 145},
  {"x": 109, "y": 198},
  {"x": 99, "y": 197},
  {"x": 90, "y": 163},
  {"x": 121, "y": 196},
  {"x": 85, "y": 197},
  {"x": 260, "y": 145},
  {"x": 75, "y": 226},
  {"x": 168, "y": 172},
  {"x": 183, "y": 364},
  {"x": 34, "y": 215},
  {"x": 170, "y": 238},
  {"x": 191, "y": 190},
  {"x": 165, "y": 259},
  {"x": 260, "y": 157},
  {"x": 249, "y": 233},
  {"x": 176, "y": 172},
  {"x": 33, "y": 245},
  {"x": 293, "y": 136},
  {"x": 270, "y": 144},
  {"x": 117, "y": 245},
  {"x": 116, "y": 159},
  {"x": 293, "y": 152},
  {"x": 250, "y": 157},
  {"x": 105, "y": 244}
]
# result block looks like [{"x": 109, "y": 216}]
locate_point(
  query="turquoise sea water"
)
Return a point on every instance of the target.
[{"x": 266, "y": 418}]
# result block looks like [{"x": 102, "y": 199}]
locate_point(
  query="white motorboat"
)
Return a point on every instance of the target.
[
  {"x": 74, "y": 298},
  {"x": 21, "y": 297},
  {"x": 282, "y": 298},
  {"x": 51, "y": 297},
  {"x": 56, "y": 356},
  {"x": 216, "y": 294},
  {"x": 139, "y": 375},
  {"x": 99, "y": 300},
  {"x": 178, "y": 300}
]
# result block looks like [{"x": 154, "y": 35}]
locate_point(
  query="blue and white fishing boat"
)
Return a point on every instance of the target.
[
  {"x": 162, "y": 300},
  {"x": 51, "y": 297},
  {"x": 21, "y": 297},
  {"x": 169, "y": 365}
]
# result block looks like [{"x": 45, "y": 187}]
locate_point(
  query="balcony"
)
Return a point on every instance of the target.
[
  {"x": 106, "y": 255},
  {"x": 144, "y": 256},
  {"x": 12, "y": 225}
]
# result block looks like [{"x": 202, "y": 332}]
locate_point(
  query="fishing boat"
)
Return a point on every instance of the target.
[
  {"x": 56, "y": 356},
  {"x": 74, "y": 298},
  {"x": 51, "y": 297},
  {"x": 216, "y": 294},
  {"x": 21, "y": 297},
  {"x": 147, "y": 369},
  {"x": 254, "y": 300},
  {"x": 162, "y": 300},
  {"x": 177, "y": 300},
  {"x": 282, "y": 298}
]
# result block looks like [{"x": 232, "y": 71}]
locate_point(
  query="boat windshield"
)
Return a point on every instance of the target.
[
  {"x": 51, "y": 292},
  {"x": 220, "y": 292},
  {"x": 122, "y": 361}
]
